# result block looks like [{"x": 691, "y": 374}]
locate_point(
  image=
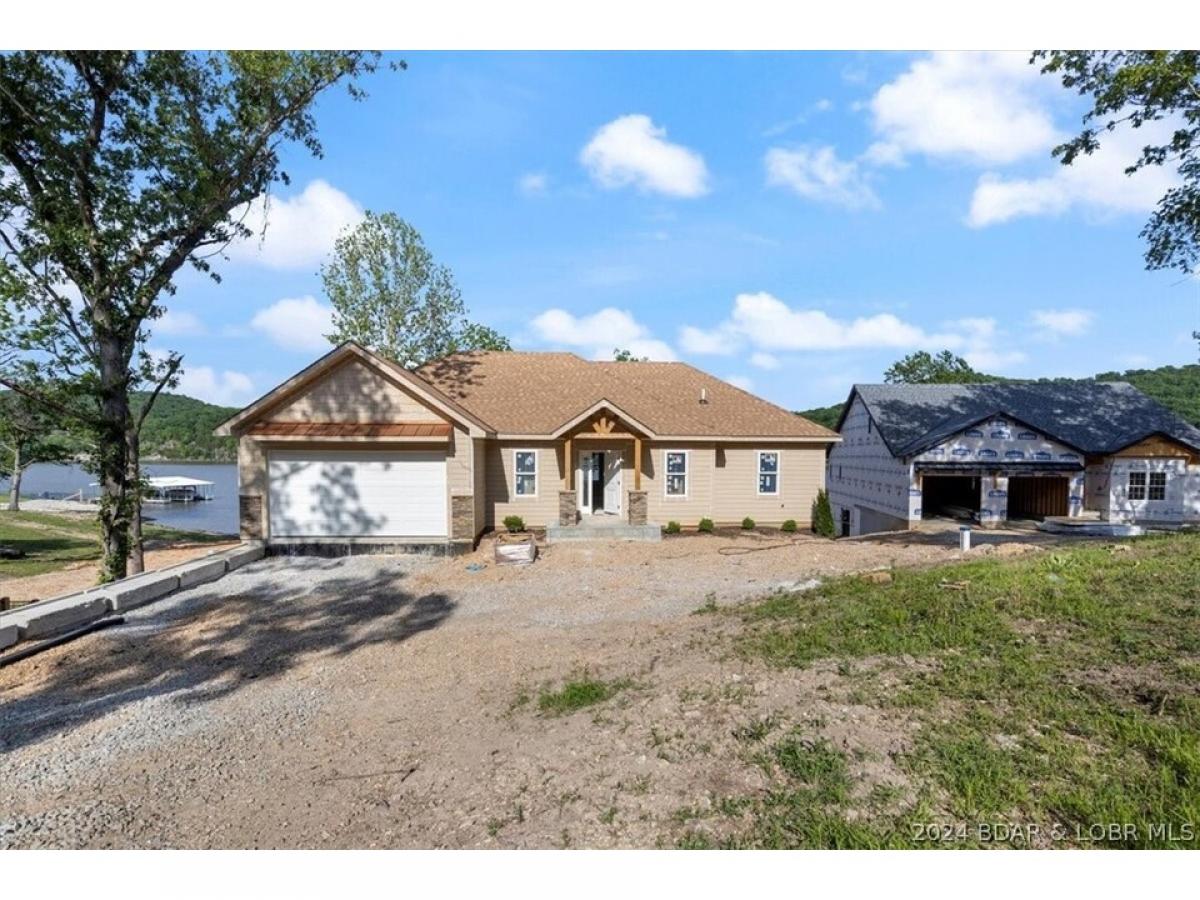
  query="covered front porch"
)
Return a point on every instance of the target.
[{"x": 601, "y": 497}]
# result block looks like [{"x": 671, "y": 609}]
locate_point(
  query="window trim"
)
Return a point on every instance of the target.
[
  {"x": 537, "y": 464},
  {"x": 687, "y": 475},
  {"x": 1150, "y": 486},
  {"x": 1143, "y": 487},
  {"x": 758, "y": 473}
]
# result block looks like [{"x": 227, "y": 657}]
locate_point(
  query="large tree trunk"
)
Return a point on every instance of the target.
[
  {"x": 14, "y": 498},
  {"x": 137, "y": 560},
  {"x": 113, "y": 457}
]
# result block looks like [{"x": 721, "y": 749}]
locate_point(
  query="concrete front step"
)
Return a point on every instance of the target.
[{"x": 586, "y": 532}]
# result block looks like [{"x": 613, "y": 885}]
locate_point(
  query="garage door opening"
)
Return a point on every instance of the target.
[
  {"x": 1035, "y": 497},
  {"x": 357, "y": 494},
  {"x": 955, "y": 496}
]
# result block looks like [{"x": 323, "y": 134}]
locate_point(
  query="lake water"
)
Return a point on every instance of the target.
[{"x": 220, "y": 514}]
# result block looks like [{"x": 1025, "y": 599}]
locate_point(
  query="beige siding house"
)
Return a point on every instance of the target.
[{"x": 357, "y": 449}]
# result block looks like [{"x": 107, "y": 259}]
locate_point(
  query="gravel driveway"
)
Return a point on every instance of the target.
[{"x": 377, "y": 701}]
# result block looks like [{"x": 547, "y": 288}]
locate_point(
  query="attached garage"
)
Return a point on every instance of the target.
[
  {"x": 353, "y": 494},
  {"x": 1037, "y": 496}
]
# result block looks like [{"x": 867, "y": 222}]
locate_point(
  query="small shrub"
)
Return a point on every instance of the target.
[
  {"x": 789, "y": 525},
  {"x": 822, "y": 515},
  {"x": 514, "y": 523},
  {"x": 672, "y": 528},
  {"x": 705, "y": 526},
  {"x": 747, "y": 523}
]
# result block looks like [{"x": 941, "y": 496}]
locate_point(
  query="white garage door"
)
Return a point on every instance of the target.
[{"x": 357, "y": 494}]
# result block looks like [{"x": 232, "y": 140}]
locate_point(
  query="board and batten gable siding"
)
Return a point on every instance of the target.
[
  {"x": 352, "y": 392},
  {"x": 863, "y": 473},
  {"x": 501, "y": 480},
  {"x": 735, "y": 484}
]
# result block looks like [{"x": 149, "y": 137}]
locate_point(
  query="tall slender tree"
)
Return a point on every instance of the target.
[
  {"x": 117, "y": 169},
  {"x": 28, "y": 435}
]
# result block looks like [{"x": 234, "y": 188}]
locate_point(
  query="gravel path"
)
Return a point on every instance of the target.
[{"x": 377, "y": 701}]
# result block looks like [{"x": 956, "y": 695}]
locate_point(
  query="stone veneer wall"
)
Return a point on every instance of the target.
[
  {"x": 637, "y": 507},
  {"x": 462, "y": 517},
  {"x": 566, "y": 508},
  {"x": 250, "y": 517}
]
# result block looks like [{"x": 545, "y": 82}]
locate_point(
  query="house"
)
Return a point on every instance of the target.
[
  {"x": 1010, "y": 450},
  {"x": 355, "y": 448}
]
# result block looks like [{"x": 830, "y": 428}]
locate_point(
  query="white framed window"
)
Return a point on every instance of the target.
[
  {"x": 1137, "y": 485},
  {"x": 675, "y": 464},
  {"x": 525, "y": 466},
  {"x": 1157, "y": 488},
  {"x": 768, "y": 471}
]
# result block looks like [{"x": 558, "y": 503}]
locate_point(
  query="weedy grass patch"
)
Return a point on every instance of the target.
[{"x": 1056, "y": 690}]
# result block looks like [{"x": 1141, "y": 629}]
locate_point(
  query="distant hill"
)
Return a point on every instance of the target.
[
  {"x": 1175, "y": 387},
  {"x": 181, "y": 428}
]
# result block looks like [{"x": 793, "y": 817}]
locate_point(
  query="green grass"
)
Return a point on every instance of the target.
[
  {"x": 53, "y": 541},
  {"x": 1058, "y": 690},
  {"x": 579, "y": 693}
]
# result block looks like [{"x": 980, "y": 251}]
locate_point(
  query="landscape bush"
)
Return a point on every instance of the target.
[
  {"x": 514, "y": 524},
  {"x": 747, "y": 523},
  {"x": 705, "y": 526},
  {"x": 672, "y": 527},
  {"x": 822, "y": 515},
  {"x": 789, "y": 525}
]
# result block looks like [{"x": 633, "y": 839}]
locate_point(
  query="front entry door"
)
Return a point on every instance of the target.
[{"x": 599, "y": 481}]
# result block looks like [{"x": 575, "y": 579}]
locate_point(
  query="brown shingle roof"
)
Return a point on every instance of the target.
[
  {"x": 536, "y": 393},
  {"x": 351, "y": 429}
]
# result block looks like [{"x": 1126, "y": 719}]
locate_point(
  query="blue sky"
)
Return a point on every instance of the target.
[{"x": 791, "y": 222}]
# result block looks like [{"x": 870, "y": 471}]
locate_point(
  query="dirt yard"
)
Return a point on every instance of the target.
[{"x": 401, "y": 701}]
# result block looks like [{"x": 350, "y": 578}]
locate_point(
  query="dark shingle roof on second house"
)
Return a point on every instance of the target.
[{"x": 1094, "y": 417}]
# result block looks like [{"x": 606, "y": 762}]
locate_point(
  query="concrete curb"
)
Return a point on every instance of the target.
[{"x": 47, "y": 617}]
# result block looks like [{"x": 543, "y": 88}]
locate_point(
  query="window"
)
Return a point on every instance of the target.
[
  {"x": 525, "y": 465},
  {"x": 677, "y": 473},
  {"x": 768, "y": 472},
  {"x": 1137, "y": 485},
  {"x": 1158, "y": 485}
]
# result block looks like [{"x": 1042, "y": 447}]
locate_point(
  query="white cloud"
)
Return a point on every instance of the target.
[
  {"x": 981, "y": 344},
  {"x": 178, "y": 324},
  {"x": 983, "y": 107},
  {"x": 1135, "y": 360},
  {"x": 533, "y": 184},
  {"x": 1097, "y": 184},
  {"x": 1056, "y": 323},
  {"x": 300, "y": 230},
  {"x": 227, "y": 388},
  {"x": 817, "y": 174},
  {"x": 709, "y": 343},
  {"x": 767, "y": 323},
  {"x": 764, "y": 361},
  {"x": 632, "y": 150},
  {"x": 299, "y": 323},
  {"x": 741, "y": 381},
  {"x": 600, "y": 333}
]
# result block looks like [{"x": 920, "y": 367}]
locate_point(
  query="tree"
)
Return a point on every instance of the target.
[
  {"x": 822, "y": 515},
  {"x": 1133, "y": 87},
  {"x": 28, "y": 435},
  {"x": 390, "y": 295},
  {"x": 923, "y": 368},
  {"x": 620, "y": 355},
  {"x": 116, "y": 170}
]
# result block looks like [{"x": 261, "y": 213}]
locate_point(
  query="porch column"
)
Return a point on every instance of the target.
[
  {"x": 637, "y": 463},
  {"x": 568, "y": 466}
]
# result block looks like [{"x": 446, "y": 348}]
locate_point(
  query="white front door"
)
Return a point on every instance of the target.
[{"x": 612, "y": 482}]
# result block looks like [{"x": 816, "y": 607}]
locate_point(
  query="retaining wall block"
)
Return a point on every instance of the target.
[
  {"x": 50, "y": 616},
  {"x": 247, "y": 553},
  {"x": 200, "y": 571},
  {"x": 130, "y": 593},
  {"x": 8, "y": 636}
]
